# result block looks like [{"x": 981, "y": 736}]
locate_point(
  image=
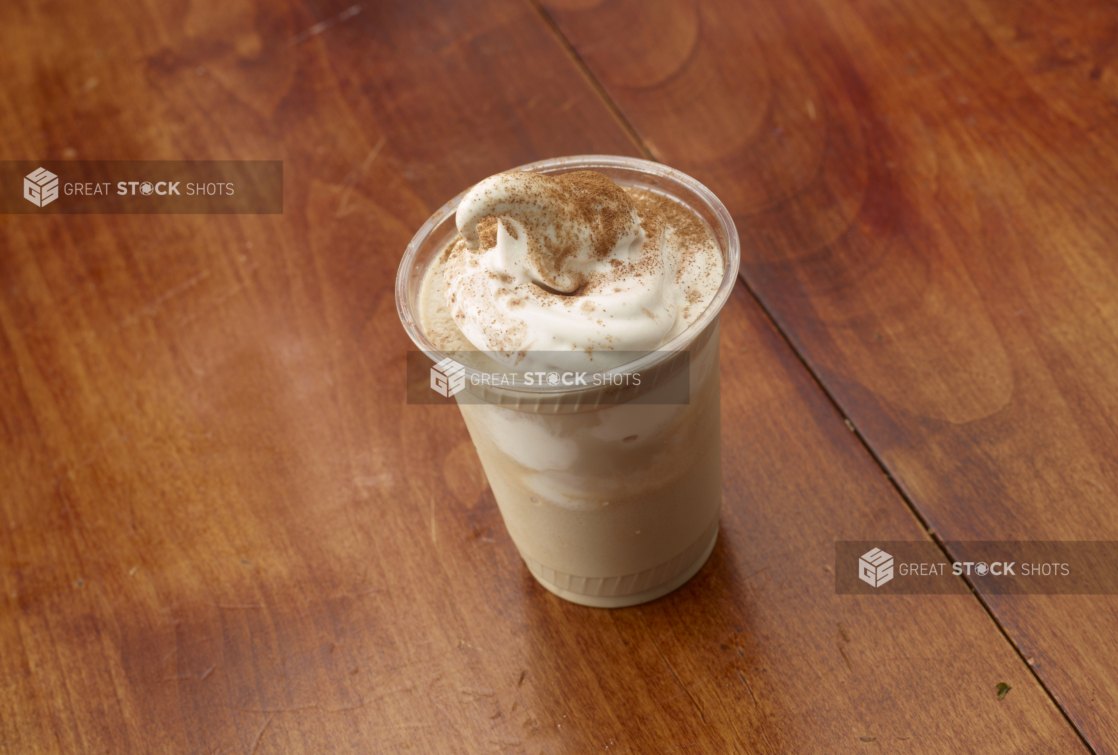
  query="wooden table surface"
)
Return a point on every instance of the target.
[{"x": 222, "y": 530}]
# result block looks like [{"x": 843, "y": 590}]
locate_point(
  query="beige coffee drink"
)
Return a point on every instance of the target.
[{"x": 611, "y": 495}]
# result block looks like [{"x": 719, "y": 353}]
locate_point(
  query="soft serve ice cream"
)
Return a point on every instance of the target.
[
  {"x": 608, "y": 506},
  {"x": 575, "y": 263}
]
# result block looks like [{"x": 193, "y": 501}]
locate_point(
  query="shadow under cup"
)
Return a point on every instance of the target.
[{"x": 610, "y": 501}]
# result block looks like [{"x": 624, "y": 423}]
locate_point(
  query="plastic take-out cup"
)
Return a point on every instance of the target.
[{"x": 611, "y": 497}]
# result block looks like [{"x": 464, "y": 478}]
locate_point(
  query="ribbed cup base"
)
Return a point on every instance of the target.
[{"x": 629, "y": 589}]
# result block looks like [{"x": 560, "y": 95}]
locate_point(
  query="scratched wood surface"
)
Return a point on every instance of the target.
[
  {"x": 928, "y": 198},
  {"x": 221, "y": 529}
]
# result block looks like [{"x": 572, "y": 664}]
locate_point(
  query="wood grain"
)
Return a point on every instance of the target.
[
  {"x": 222, "y": 529},
  {"x": 927, "y": 198}
]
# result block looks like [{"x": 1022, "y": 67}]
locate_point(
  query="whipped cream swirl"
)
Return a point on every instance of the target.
[{"x": 575, "y": 263}]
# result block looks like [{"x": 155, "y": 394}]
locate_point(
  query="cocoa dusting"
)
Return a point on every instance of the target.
[
  {"x": 487, "y": 230},
  {"x": 552, "y": 211},
  {"x": 574, "y": 222}
]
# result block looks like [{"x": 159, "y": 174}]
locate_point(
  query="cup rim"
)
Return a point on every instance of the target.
[{"x": 586, "y": 162}]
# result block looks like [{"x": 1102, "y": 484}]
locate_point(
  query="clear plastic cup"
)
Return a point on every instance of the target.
[{"x": 612, "y": 501}]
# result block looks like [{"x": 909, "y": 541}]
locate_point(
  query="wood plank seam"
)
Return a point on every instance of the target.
[
  {"x": 914, "y": 509},
  {"x": 916, "y": 512},
  {"x": 592, "y": 80}
]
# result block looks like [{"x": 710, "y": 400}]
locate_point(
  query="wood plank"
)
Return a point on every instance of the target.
[
  {"x": 223, "y": 531},
  {"x": 928, "y": 196}
]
